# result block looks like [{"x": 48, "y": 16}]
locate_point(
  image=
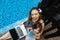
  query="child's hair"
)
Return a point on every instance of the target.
[{"x": 37, "y": 25}]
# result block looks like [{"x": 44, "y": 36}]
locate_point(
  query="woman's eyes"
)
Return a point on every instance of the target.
[{"x": 35, "y": 14}]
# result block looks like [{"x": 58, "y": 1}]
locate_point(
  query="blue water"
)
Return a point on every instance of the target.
[{"x": 13, "y": 12}]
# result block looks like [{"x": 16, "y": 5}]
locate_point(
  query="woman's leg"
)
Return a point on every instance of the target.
[{"x": 5, "y": 36}]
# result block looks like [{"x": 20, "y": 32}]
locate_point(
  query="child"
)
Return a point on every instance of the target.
[{"x": 34, "y": 32}]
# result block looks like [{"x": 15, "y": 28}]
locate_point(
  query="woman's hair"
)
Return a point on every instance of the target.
[{"x": 39, "y": 11}]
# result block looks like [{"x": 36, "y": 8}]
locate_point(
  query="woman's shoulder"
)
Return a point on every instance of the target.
[{"x": 41, "y": 21}]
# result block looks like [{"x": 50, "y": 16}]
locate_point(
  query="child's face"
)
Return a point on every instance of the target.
[{"x": 36, "y": 30}]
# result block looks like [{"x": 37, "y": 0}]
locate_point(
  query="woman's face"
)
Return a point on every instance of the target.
[{"x": 35, "y": 14}]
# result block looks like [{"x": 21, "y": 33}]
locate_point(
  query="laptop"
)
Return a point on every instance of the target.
[{"x": 18, "y": 32}]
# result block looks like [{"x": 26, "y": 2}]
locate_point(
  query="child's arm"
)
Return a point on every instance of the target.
[
  {"x": 37, "y": 36},
  {"x": 28, "y": 29}
]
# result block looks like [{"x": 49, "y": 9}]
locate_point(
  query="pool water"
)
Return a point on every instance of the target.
[{"x": 13, "y": 12}]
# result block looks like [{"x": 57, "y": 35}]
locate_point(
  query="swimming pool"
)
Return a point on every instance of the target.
[{"x": 12, "y": 12}]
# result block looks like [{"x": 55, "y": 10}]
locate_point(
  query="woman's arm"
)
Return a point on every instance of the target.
[
  {"x": 5, "y": 36},
  {"x": 38, "y": 36},
  {"x": 42, "y": 23}
]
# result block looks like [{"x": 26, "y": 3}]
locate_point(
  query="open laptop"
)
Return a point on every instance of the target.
[{"x": 18, "y": 32}]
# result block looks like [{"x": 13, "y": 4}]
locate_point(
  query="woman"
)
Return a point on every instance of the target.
[{"x": 35, "y": 16}]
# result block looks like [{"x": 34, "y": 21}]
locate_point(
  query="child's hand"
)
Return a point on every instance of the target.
[
  {"x": 37, "y": 36},
  {"x": 28, "y": 29}
]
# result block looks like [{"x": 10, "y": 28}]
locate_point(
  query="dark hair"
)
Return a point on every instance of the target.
[
  {"x": 30, "y": 18},
  {"x": 37, "y": 25}
]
